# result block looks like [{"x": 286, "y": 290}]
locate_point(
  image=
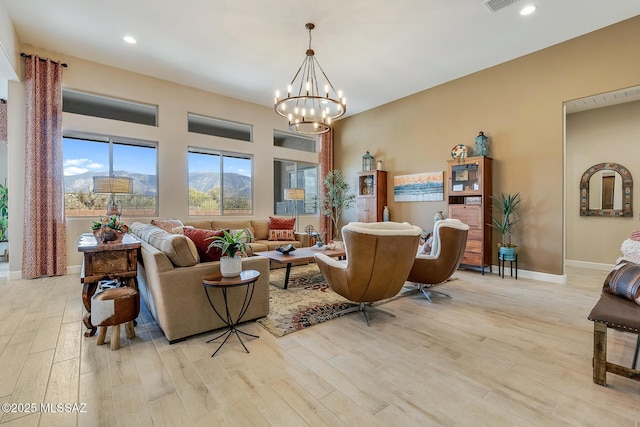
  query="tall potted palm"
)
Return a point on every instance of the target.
[
  {"x": 335, "y": 198},
  {"x": 506, "y": 205}
]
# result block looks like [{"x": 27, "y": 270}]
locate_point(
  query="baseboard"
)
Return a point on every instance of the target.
[
  {"x": 534, "y": 275},
  {"x": 589, "y": 265}
]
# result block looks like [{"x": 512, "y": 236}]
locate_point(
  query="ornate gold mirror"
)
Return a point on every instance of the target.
[{"x": 606, "y": 189}]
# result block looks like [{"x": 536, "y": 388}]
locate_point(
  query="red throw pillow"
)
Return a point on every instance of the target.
[
  {"x": 280, "y": 223},
  {"x": 199, "y": 237}
]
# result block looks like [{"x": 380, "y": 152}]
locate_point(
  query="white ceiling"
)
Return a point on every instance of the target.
[{"x": 375, "y": 51}]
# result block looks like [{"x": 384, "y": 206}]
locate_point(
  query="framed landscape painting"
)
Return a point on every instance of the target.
[{"x": 419, "y": 187}]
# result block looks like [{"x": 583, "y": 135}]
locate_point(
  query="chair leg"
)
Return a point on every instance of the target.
[
  {"x": 130, "y": 329},
  {"x": 115, "y": 337},
  {"x": 102, "y": 334},
  {"x": 364, "y": 308},
  {"x": 635, "y": 354},
  {"x": 599, "y": 353},
  {"x": 427, "y": 292}
]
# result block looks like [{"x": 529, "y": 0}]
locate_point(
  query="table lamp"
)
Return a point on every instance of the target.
[{"x": 113, "y": 185}]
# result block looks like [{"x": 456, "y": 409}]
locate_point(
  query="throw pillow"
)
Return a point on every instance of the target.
[
  {"x": 280, "y": 223},
  {"x": 199, "y": 237},
  {"x": 624, "y": 281},
  {"x": 281, "y": 235},
  {"x": 167, "y": 224},
  {"x": 179, "y": 230}
]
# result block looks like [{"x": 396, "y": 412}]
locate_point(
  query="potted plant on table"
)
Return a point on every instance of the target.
[
  {"x": 336, "y": 198},
  {"x": 506, "y": 205},
  {"x": 231, "y": 246},
  {"x": 109, "y": 229}
]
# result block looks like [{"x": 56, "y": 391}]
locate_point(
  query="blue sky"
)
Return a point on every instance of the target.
[{"x": 82, "y": 156}]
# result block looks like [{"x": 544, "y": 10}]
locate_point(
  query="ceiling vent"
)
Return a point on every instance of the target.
[{"x": 496, "y": 5}]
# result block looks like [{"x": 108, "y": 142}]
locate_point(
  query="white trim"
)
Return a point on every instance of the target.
[
  {"x": 589, "y": 265},
  {"x": 533, "y": 275}
]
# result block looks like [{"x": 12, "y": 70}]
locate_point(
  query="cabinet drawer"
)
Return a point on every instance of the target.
[
  {"x": 474, "y": 246},
  {"x": 469, "y": 214},
  {"x": 471, "y": 259}
]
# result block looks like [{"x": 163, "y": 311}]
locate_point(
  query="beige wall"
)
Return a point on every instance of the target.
[
  {"x": 174, "y": 102},
  {"x": 608, "y": 134},
  {"x": 519, "y": 105}
]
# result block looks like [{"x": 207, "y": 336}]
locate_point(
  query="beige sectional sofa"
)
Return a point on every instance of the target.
[
  {"x": 260, "y": 228},
  {"x": 170, "y": 282}
]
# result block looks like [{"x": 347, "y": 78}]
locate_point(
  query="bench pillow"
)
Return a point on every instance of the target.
[{"x": 624, "y": 281}]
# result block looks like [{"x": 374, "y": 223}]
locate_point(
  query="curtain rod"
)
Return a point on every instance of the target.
[{"x": 27, "y": 55}]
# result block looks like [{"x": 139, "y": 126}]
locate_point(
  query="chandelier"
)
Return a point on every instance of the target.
[{"x": 309, "y": 110}]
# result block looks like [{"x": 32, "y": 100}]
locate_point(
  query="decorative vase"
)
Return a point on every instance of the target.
[
  {"x": 230, "y": 267},
  {"x": 339, "y": 244},
  {"x": 438, "y": 216},
  {"x": 385, "y": 214},
  {"x": 507, "y": 253}
]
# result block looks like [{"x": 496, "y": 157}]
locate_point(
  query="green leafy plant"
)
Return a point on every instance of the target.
[
  {"x": 506, "y": 205},
  {"x": 111, "y": 222},
  {"x": 229, "y": 244},
  {"x": 336, "y": 198},
  {"x": 4, "y": 212}
]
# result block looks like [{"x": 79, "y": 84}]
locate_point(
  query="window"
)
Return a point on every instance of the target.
[
  {"x": 289, "y": 174},
  {"x": 220, "y": 183},
  {"x": 294, "y": 142},
  {"x": 218, "y": 127},
  {"x": 109, "y": 108},
  {"x": 86, "y": 156}
]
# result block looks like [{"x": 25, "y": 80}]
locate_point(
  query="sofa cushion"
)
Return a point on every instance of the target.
[
  {"x": 281, "y": 223},
  {"x": 218, "y": 224},
  {"x": 203, "y": 225},
  {"x": 248, "y": 233},
  {"x": 167, "y": 224},
  {"x": 260, "y": 229},
  {"x": 202, "y": 240},
  {"x": 178, "y": 248}
]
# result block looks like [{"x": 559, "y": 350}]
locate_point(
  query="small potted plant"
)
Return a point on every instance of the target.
[
  {"x": 506, "y": 205},
  {"x": 229, "y": 245},
  {"x": 109, "y": 229}
]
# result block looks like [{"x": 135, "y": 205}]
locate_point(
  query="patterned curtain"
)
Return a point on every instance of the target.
[
  {"x": 326, "y": 165},
  {"x": 44, "y": 234}
]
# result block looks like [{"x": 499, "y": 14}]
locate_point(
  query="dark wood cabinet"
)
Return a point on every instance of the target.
[
  {"x": 371, "y": 196},
  {"x": 469, "y": 191}
]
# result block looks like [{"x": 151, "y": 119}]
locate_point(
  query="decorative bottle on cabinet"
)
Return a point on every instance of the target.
[
  {"x": 371, "y": 196},
  {"x": 470, "y": 188},
  {"x": 385, "y": 214}
]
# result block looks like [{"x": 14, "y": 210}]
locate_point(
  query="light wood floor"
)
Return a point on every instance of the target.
[{"x": 500, "y": 352}]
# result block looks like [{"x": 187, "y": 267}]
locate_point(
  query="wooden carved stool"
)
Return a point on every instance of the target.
[{"x": 113, "y": 307}]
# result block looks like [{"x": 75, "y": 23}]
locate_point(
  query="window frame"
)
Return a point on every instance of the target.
[
  {"x": 295, "y": 173},
  {"x": 222, "y": 154},
  {"x": 111, "y": 140}
]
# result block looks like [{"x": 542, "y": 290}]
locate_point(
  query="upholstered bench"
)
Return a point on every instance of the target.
[{"x": 616, "y": 310}]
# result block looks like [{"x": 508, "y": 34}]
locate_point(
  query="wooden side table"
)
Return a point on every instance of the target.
[
  {"x": 246, "y": 278},
  {"x": 102, "y": 261}
]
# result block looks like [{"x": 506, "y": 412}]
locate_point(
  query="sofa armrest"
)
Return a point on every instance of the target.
[{"x": 304, "y": 238}]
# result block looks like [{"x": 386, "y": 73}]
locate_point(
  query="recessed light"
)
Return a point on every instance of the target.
[
  {"x": 527, "y": 10},
  {"x": 129, "y": 39}
]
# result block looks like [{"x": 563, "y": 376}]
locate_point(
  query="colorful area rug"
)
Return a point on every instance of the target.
[{"x": 307, "y": 301}]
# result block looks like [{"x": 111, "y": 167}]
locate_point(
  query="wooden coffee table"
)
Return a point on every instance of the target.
[{"x": 300, "y": 254}]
